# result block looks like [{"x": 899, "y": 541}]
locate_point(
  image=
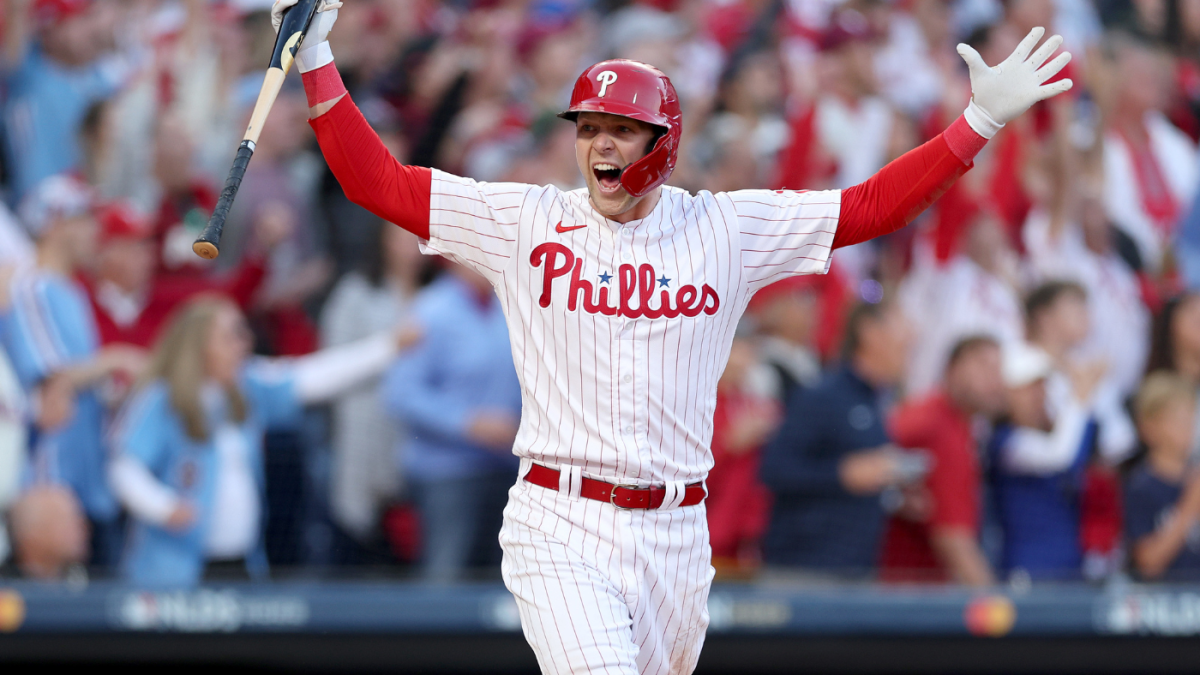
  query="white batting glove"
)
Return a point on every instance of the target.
[
  {"x": 314, "y": 51},
  {"x": 1002, "y": 93}
]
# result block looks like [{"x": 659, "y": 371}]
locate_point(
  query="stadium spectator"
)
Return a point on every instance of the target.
[
  {"x": 1058, "y": 324},
  {"x": 185, "y": 200},
  {"x": 785, "y": 314},
  {"x": 366, "y": 444},
  {"x": 747, "y": 128},
  {"x": 934, "y": 533},
  {"x": 187, "y": 448},
  {"x": 278, "y": 193},
  {"x": 132, "y": 299},
  {"x": 832, "y": 457},
  {"x": 916, "y": 65},
  {"x": 738, "y": 504},
  {"x": 848, "y": 131},
  {"x": 49, "y": 533},
  {"x": 52, "y": 341},
  {"x": 58, "y": 68},
  {"x": 1150, "y": 166},
  {"x": 1175, "y": 343},
  {"x": 1076, "y": 243},
  {"x": 1162, "y": 494},
  {"x": 457, "y": 394},
  {"x": 971, "y": 294},
  {"x": 1038, "y": 465}
]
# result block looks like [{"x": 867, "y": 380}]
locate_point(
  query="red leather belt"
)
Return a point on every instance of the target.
[{"x": 620, "y": 496}]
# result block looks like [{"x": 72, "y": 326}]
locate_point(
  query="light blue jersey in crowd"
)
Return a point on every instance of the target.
[
  {"x": 150, "y": 431},
  {"x": 50, "y": 328},
  {"x": 46, "y": 106}
]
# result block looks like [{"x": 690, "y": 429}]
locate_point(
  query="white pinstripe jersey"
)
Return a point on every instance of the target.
[{"x": 620, "y": 332}]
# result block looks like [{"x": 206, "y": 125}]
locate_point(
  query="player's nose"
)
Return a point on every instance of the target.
[{"x": 603, "y": 143}]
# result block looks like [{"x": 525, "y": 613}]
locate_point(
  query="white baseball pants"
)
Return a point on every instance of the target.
[{"x": 602, "y": 590}]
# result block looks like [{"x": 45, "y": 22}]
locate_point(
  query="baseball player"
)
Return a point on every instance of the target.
[{"x": 621, "y": 301}]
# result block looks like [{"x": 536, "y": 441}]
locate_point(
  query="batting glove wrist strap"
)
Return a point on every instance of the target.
[
  {"x": 1005, "y": 91},
  {"x": 311, "y": 58},
  {"x": 981, "y": 122}
]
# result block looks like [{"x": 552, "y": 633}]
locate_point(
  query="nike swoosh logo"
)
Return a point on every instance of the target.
[{"x": 560, "y": 229}]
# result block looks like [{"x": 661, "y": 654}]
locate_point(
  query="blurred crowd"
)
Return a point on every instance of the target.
[{"x": 1006, "y": 390}]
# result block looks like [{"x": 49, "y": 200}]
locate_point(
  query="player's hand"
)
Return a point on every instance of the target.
[
  {"x": 1003, "y": 92},
  {"x": 868, "y": 472},
  {"x": 322, "y": 23},
  {"x": 494, "y": 430},
  {"x": 182, "y": 517}
]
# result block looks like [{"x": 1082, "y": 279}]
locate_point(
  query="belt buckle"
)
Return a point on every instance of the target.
[{"x": 612, "y": 495}]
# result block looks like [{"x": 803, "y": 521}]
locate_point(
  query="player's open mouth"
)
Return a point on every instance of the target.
[{"x": 608, "y": 176}]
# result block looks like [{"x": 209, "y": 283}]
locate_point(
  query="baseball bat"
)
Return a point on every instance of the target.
[{"x": 296, "y": 20}]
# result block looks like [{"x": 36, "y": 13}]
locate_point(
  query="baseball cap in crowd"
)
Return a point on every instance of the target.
[
  {"x": 59, "y": 196},
  {"x": 119, "y": 220},
  {"x": 1025, "y": 364},
  {"x": 48, "y": 13}
]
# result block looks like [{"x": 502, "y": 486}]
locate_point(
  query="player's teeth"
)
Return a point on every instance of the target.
[{"x": 606, "y": 167}]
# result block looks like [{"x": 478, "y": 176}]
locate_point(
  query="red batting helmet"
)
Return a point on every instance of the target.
[{"x": 640, "y": 92}]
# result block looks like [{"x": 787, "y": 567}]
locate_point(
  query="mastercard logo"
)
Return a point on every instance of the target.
[
  {"x": 12, "y": 611},
  {"x": 990, "y": 616}
]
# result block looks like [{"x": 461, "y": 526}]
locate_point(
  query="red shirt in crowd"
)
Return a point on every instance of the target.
[
  {"x": 138, "y": 319},
  {"x": 738, "y": 503},
  {"x": 165, "y": 294},
  {"x": 935, "y": 425}
]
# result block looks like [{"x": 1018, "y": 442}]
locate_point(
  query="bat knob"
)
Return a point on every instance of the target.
[{"x": 206, "y": 250}]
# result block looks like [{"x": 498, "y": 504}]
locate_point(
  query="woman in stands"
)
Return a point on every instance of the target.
[{"x": 187, "y": 447}]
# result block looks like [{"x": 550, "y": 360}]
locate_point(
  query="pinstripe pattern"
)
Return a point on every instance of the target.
[
  {"x": 619, "y": 334},
  {"x": 607, "y": 591}
]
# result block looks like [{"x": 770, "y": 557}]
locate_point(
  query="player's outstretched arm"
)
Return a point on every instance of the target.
[
  {"x": 904, "y": 188},
  {"x": 367, "y": 172}
]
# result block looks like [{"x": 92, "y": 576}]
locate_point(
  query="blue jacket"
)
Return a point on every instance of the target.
[
  {"x": 50, "y": 328},
  {"x": 463, "y": 365},
  {"x": 1039, "y": 515},
  {"x": 815, "y": 522},
  {"x": 151, "y": 432}
]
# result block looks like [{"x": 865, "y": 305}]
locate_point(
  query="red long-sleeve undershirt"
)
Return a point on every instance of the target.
[{"x": 400, "y": 194}]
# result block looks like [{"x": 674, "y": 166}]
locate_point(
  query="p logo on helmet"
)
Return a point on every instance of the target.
[
  {"x": 606, "y": 78},
  {"x": 646, "y": 95}
]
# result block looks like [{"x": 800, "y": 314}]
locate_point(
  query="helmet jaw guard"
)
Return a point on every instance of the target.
[
  {"x": 615, "y": 87},
  {"x": 655, "y": 168}
]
